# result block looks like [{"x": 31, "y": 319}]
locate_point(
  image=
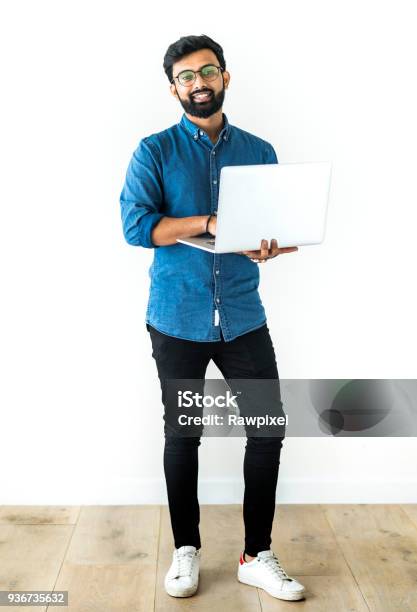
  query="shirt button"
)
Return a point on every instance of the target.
[
  {"x": 215, "y": 182},
  {"x": 217, "y": 300},
  {"x": 217, "y": 271},
  {"x": 201, "y": 132},
  {"x": 195, "y": 136},
  {"x": 213, "y": 152}
]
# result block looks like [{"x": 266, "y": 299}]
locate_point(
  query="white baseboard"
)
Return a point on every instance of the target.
[{"x": 153, "y": 491}]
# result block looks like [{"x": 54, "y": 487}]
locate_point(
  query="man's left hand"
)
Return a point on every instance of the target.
[{"x": 266, "y": 252}]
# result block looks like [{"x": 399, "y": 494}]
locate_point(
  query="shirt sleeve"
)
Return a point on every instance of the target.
[
  {"x": 141, "y": 199},
  {"x": 270, "y": 155}
]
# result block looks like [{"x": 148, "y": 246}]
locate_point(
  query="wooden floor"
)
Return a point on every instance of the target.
[{"x": 114, "y": 558}]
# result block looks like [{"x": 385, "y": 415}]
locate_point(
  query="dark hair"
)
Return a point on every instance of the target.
[{"x": 188, "y": 44}]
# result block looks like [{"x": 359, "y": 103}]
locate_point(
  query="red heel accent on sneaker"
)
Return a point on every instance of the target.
[{"x": 241, "y": 560}]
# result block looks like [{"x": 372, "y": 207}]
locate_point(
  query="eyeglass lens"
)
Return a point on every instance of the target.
[{"x": 209, "y": 73}]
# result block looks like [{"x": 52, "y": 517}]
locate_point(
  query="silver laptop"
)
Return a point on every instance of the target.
[{"x": 284, "y": 201}]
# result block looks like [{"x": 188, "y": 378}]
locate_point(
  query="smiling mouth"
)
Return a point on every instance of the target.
[{"x": 201, "y": 98}]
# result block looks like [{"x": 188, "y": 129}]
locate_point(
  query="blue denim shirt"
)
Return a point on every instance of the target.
[{"x": 175, "y": 173}]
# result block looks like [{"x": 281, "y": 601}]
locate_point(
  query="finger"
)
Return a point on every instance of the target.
[
  {"x": 274, "y": 251},
  {"x": 264, "y": 248}
]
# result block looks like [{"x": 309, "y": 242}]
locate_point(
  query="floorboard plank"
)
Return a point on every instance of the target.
[
  {"x": 379, "y": 542},
  {"x": 111, "y": 562},
  {"x": 305, "y": 543},
  {"x": 39, "y": 515},
  {"x": 31, "y": 556}
]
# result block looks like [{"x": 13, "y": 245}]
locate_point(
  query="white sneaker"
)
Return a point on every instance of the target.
[
  {"x": 181, "y": 579},
  {"x": 265, "y": 572}
]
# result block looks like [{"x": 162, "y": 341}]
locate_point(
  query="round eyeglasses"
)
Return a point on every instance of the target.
[{"x": 209, "y": 72}]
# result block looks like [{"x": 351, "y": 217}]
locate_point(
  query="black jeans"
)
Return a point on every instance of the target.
[{"x": 249, "y": 356}]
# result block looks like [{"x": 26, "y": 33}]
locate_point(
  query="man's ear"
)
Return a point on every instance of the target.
[
  {"x": 226, "y": 78},
  {"x": 173, "y": 90}
]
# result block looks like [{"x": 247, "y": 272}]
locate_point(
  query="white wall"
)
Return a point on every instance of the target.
[{"x": 82, "y": 83}]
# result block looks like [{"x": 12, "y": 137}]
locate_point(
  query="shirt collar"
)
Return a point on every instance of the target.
[{"x": 196, "y": 132}]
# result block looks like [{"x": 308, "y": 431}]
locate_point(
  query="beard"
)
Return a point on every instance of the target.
[{"x": 204, "y": 109}]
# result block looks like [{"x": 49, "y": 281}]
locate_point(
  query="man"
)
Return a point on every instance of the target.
[{"x": 204, "y": 306}]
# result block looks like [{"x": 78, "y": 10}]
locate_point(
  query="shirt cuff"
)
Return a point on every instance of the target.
[{"x": 146, "y": 224}]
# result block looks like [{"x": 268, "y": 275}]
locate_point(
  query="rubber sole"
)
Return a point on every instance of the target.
[
  {"x": 280, "y": 595},
  {"x": 183, "y": 593}
]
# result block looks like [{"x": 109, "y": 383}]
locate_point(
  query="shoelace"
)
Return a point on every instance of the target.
[
  {"x": 274, "y": 566},
  {"x": 184, "y": 562}
]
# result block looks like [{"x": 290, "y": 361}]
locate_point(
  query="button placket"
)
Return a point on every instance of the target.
[
  {"x": 214, "y": 196},
  {"x": 213, "y": 178}
]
